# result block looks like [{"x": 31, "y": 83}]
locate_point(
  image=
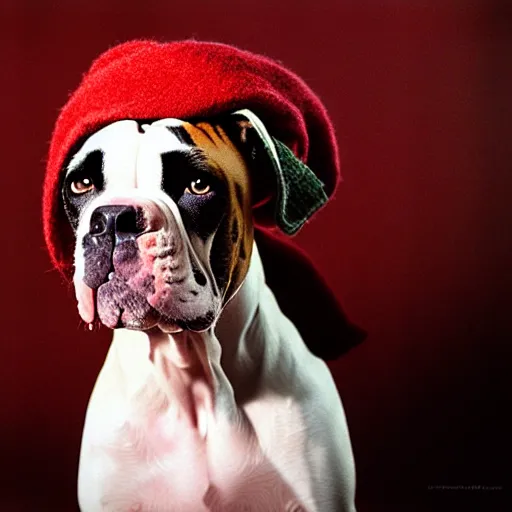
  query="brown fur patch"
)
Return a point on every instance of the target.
[{"x": 227, "y": 163}]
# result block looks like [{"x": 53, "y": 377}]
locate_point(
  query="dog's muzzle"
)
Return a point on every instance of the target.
[{"x": 139, "y": 272}]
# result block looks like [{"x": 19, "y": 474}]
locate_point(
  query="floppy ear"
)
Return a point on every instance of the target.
[
  {"x": 286, "y": 191},
  {"x": 285, "y": 194}
]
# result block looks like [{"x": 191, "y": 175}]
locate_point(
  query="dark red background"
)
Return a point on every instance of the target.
[{"x": 417, "y": 243}]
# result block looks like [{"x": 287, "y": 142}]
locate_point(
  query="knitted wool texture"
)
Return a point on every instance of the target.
[{"x": 187, "y": 79}]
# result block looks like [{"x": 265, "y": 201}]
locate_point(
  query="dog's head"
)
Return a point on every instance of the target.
[{"x": 162, "y": 217}]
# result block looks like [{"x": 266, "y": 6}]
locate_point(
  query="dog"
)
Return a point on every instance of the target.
[{"x": 209, "y": 399}]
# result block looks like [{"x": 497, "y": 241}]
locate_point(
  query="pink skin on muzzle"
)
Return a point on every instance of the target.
[
  {"x": 142, "y": 276},
  {"x": 85, "y": 298}
]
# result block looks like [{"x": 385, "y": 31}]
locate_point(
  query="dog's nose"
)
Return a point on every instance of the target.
[{"x": 118, "y": 222}]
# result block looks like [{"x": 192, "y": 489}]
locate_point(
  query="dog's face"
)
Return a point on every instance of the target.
[{"x": 162, "y": 217}]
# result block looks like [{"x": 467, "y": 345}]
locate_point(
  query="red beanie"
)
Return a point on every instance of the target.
[{"x": 149, "y": 80}]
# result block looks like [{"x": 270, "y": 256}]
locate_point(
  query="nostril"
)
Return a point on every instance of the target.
[
  {"x": 130, "y": 221},
  {"x": 120, "y": 222},
  {"x": 199, "y": 277},
  {"x": 98, "y": 224}
]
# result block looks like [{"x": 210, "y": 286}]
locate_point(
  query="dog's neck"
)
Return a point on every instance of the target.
[{"x": 223, "y": 357}]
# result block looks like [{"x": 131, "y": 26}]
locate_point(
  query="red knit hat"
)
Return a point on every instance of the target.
[{"x": 149, "y": 80}]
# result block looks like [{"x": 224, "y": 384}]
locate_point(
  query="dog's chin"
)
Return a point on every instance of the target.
[
  {"x": 162, "y": 324},
  {"x": 117, "y": 305},
  {"x": 148, "y": 324}
]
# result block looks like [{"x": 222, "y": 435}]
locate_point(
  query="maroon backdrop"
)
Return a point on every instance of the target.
[{"x": 416, "y": 244}]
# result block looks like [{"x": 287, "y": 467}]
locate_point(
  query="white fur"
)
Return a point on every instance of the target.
[{"x": 263, "y": 368}]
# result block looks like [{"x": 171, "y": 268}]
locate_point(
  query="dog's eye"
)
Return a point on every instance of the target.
[
  {"x": 198, "y": 187},
  {"x": 82, "y": 185}
]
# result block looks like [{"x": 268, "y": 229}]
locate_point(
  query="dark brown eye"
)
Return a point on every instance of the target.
[
  {"x": 82, "y": 186},
  {"x": 198, "y": 187}
]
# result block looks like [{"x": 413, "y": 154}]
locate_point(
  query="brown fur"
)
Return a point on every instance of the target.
[{"x": 236, "y": 230}]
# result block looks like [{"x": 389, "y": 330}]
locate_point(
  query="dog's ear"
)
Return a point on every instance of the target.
[{"x": 285, "y": 191}]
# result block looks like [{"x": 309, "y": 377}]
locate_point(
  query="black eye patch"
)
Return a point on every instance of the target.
[
  {"x": 90, "y": 168},
  {"x": 180, "y": 168},
  {"x": 201, "y": 213}
]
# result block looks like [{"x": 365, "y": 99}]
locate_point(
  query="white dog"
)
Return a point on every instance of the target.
[{"x": 208, "y": 400}]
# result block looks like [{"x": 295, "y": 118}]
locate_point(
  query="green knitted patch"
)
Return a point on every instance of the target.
[{"x": 300, "y": 193}]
